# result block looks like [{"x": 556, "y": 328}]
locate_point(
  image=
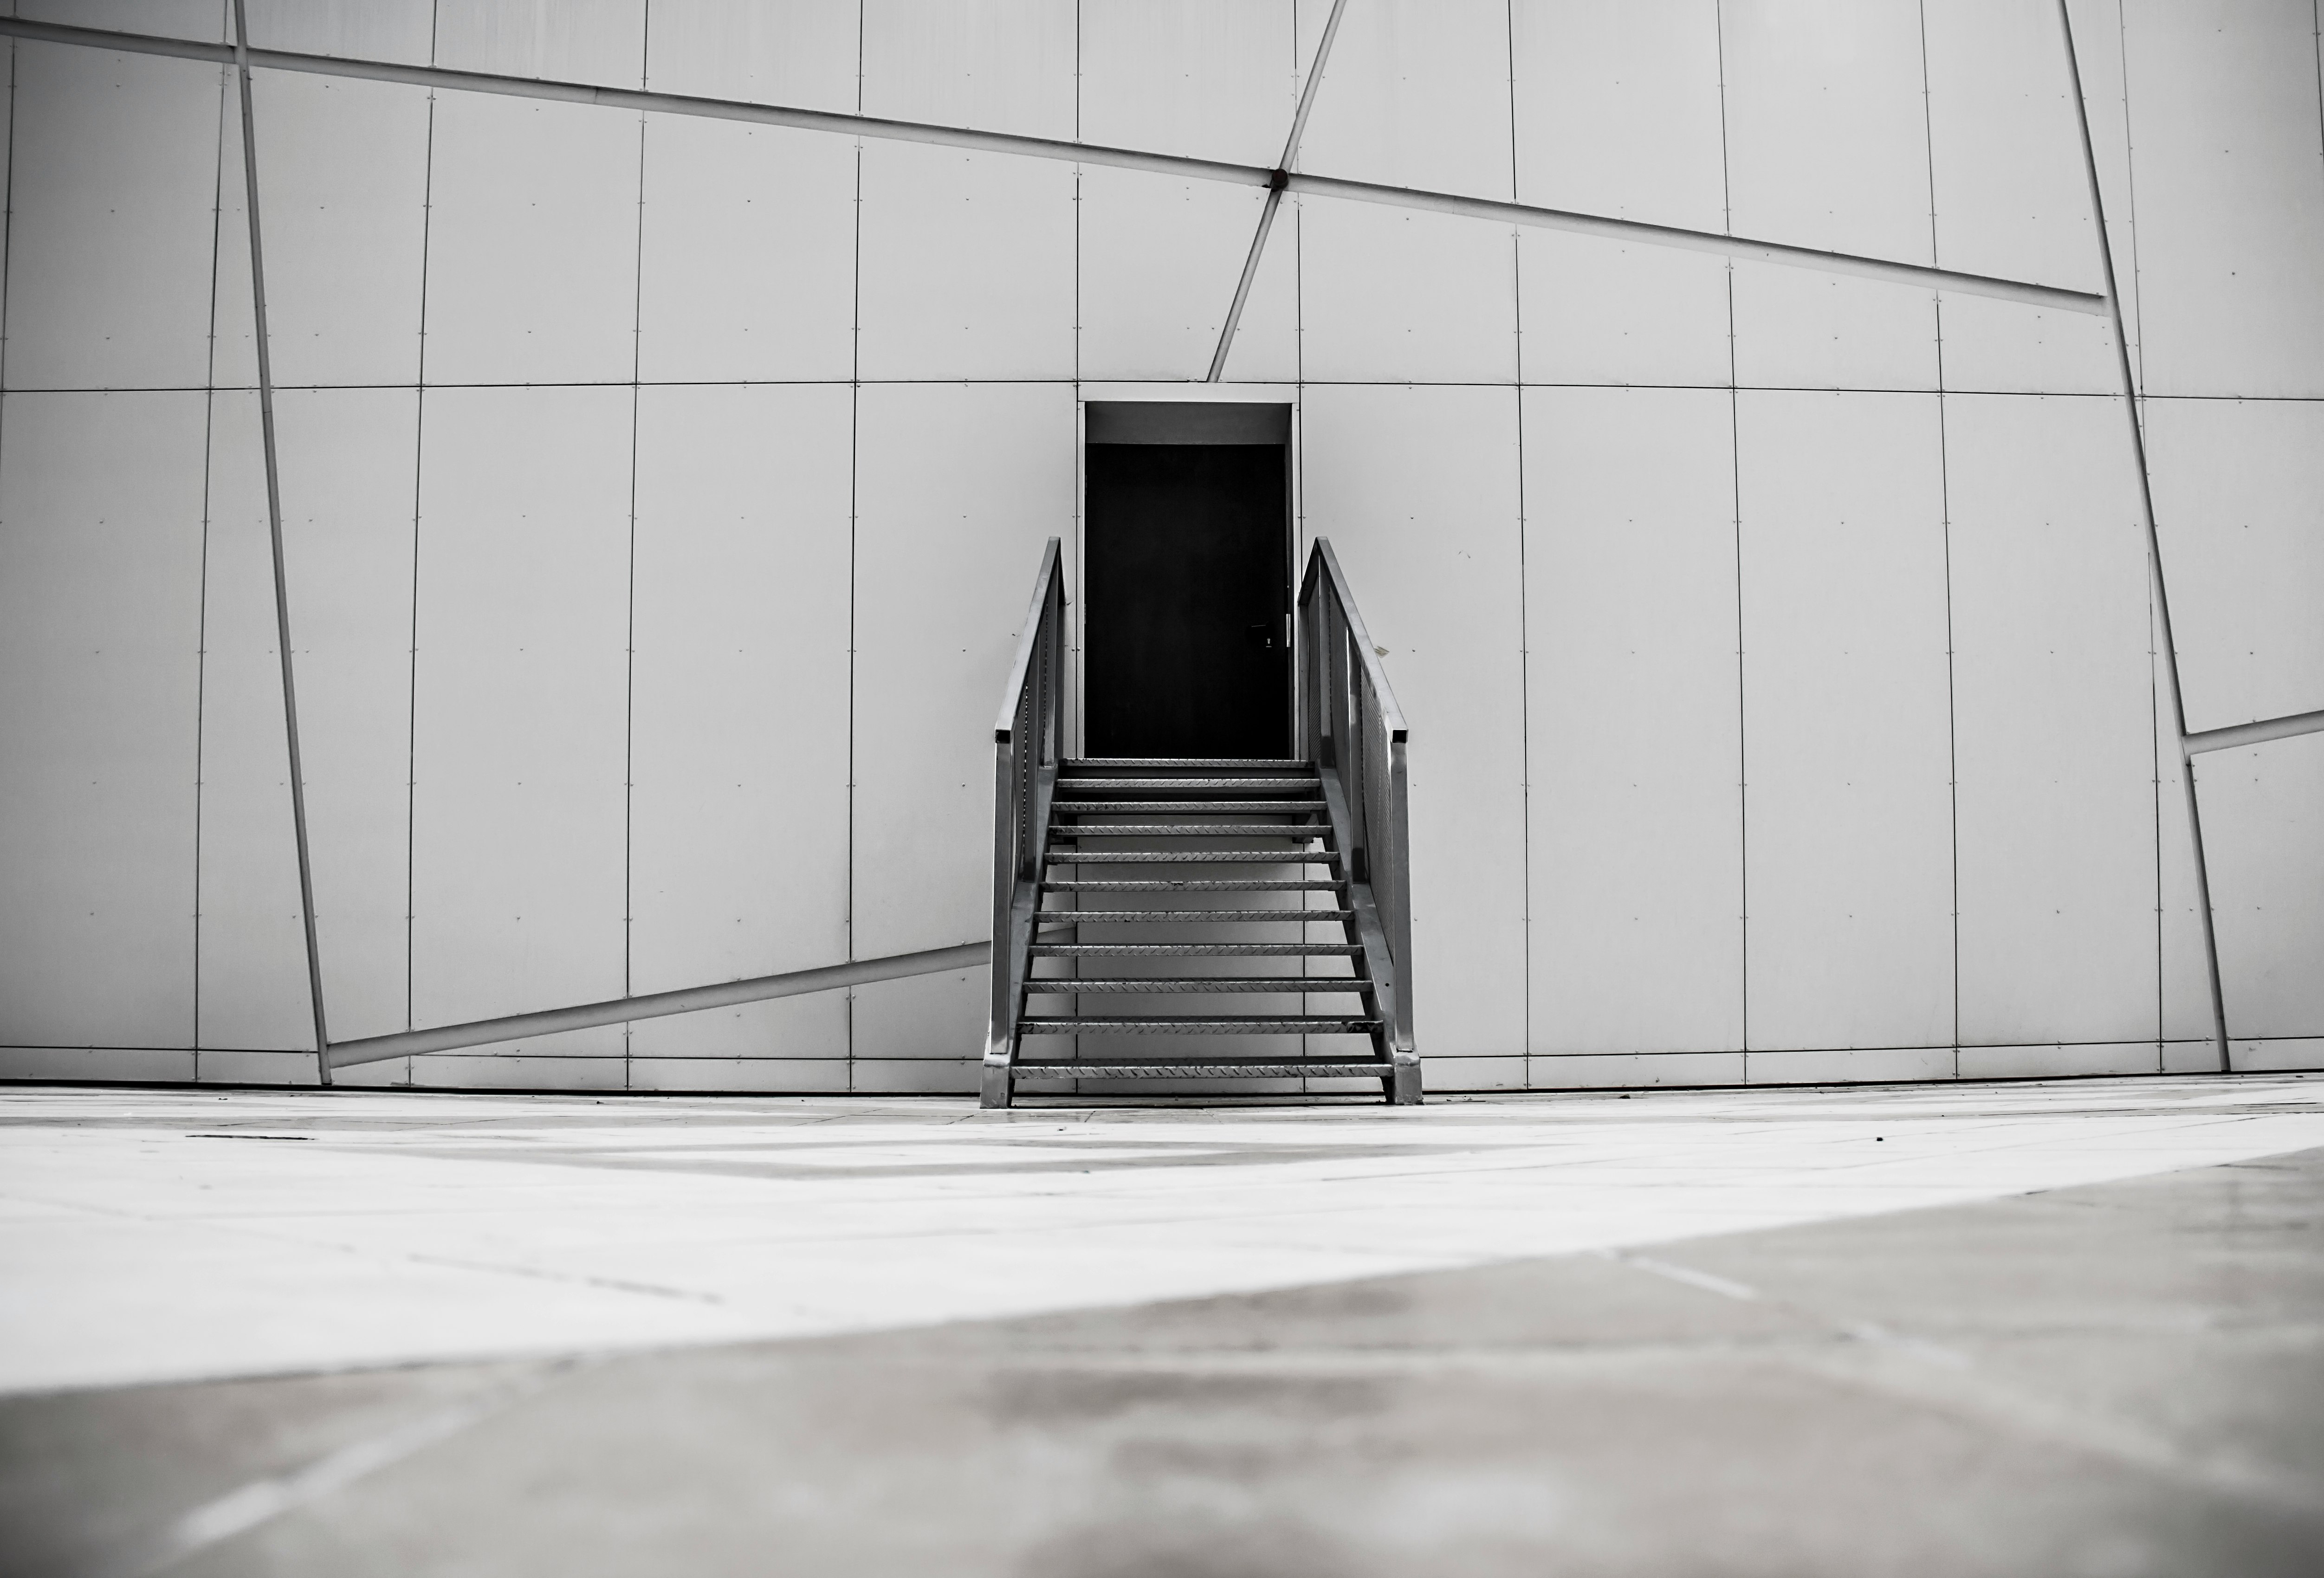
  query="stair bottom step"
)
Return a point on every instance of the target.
[
  {"x": 1189, "y": 1025},
  {"x": 1193, "y": 950},
  {"x": 1304, "y": 1068},
  {"x": 1312, "y": 985}
]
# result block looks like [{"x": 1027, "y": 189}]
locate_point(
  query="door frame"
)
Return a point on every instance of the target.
[{"x": 1077, "y": 601}]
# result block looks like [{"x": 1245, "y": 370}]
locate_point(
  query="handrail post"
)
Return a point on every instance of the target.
[
  {"x": 1400, "y": 924},
  {"x": 1311, "y": 683},
  {"x": 1000, "y": 1032},
  {"x": 1355, "y": 759},
  {"x": 1026, "y": 742}
]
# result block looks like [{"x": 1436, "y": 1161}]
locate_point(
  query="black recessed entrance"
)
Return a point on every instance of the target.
[{"x": 1186, "y": 560}]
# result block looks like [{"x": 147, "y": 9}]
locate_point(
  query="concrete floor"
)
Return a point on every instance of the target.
[{"x": 2071, "y": 1329}]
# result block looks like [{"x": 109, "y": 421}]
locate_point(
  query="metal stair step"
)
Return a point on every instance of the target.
[
  {"x": 1193, "y": 950},
  {"x": 1247, "y": 764},
  {"x": 1187, "y": 830},
  {"x": 1208, "y": 1068},
  {"x": 1202, "y": 1025},
  {"x": 1276, "y": 985},
  {"x": 1166, "y": 885},
  {"x": 1285, "y": 915},
  {"x": 1184, "y": 807},
  {"x": 1120, "y": 785},
  {"x": 1272, "y": 857}
]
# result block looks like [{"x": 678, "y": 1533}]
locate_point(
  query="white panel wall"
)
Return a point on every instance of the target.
[
  {"x": 349, "y": 459},
  {"x": 2054, "y": 707},
  {"x": 800, "y": 53},
  {"x": 2187, "y": 1024},
  {"x": 573, "y": 40},
  {"x": 343, "y": 173},
  {"x": 1001, "y": 65},
  {"x": 1633, "y": 724},
  {"x": 2264, "y": 834},
  {"x": 748, "y": 256},
  {"x": 519, "y": 703},
  {"x": 1618, "y": 108},
  {"x": 957, "y": 486},
  {"x": 373, "y": 29},
  {"x": 234, "y": 317},
  {"x": 1564, "y": 629},
  {"x": 738, "y": 716},
  {"x": 1411, "y": 95},
  {"x": 1387, "y": 295},
  {"x": 1848, "y": 840},
  {"x": 967, "y": 267},
  {"x": 1416, "y": 93},
  {"x": 2011, "y": 197},
  {"x": 532, "y": 242},
  {"x": 1211, "y": 78},
  {"x": 1827, "y": 144},
  {"x": 185, "y": 19},
  {"x": 2231, "y": 220},
  {"x": 112, "y": 184},
  {"x": 1267, "y": 343},
  {"x": 100, "y": 623},
  {"x": 1159, "y": 263},
  {"x": 2239, "y": 500},
  {"x": 2099, "y": 46},
  {"x": 252, "y": 976},
  {"x": 1417, "y": 490},
  {"x": 1618, "y": 113}
]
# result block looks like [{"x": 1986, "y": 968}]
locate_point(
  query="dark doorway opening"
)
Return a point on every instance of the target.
[{"x": 1186, "y": 568}]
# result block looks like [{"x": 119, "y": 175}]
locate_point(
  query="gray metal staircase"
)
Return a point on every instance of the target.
[{"x": 1141, "y": 901}]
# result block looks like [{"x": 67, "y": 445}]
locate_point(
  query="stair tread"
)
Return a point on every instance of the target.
[
  {"x": 1273, "y": 857},
  {"x": 1191, "y": 950},
  {"x": 1189, "y": 885},
  {"x": 1207, "y": 1068},
  {"x": 1284, "y": 914},
  {"x": 1201, "y": 1024},
  {"x": 1191, "y": 985},
  {"x": 1184, "y": 807},
  {"x": 1252, "y": 763},
  {"x": 1253, "y": 782},
  {"x": 1189, "y": 830}
]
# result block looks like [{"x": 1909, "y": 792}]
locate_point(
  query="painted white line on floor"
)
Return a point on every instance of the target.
[{"x": 263, "y": 1500}]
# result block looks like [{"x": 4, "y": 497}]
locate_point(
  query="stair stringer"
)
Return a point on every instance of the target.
[
  {"x": 1003, "y": 1036},
  {"x": 1387, "y": 972}
]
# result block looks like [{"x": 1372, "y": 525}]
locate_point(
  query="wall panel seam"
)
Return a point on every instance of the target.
[
  {"x": 418, "y": 474},
  {"x": 2146, "y": 397},
  {"x": 854, "y": 475},
  {"x": 1945, "y": 526},
  {"x": 1735, "y": 476},
  {"x": 202, "y": 569},
  {"x": 1525, "y": 631}
]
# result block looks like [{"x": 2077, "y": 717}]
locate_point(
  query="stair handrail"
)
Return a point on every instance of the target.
[
  {"x": 1353, "y": 731},
  {"x": 1027, "y": 739}
]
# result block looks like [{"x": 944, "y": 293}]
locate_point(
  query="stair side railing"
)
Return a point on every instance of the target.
[
  {"x": 1353, "y": 731},
  {"x": 1028, "y": 742}
]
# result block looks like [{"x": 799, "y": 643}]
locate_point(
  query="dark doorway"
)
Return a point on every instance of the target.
[{"x": 1186, "y": 560}]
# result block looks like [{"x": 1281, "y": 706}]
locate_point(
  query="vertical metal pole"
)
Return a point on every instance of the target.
[
  {"x": 274, "y": 532},
  {"x": 1311, "y": 726},
  {"x": 1355, "y": 754},
  {"x": 2154, "y": 543},
  {"x": 1399, "y": 916},
  {"x": 1275, "y": 193},
  {"x": 1000, "y": 1032}
]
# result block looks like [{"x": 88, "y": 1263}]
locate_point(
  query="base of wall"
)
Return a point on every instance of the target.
[{"x": 1454, "y": 1076}]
